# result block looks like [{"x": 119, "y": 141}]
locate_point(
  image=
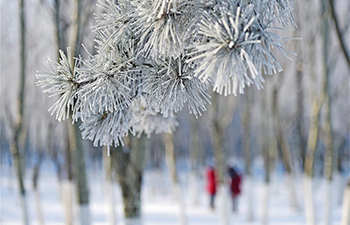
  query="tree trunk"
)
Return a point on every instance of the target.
[
  {"x": 67, "y": 184},
  {"x": 18, "y": 126},
  {"x": 75, "y": 136},
  {"x": 67, "y": 199},
  {"x": 268, "y": 146},
  {"x": 59, "y": 35},
  {"x": 79, "y": 174},
  {"x": 76, "y": 29},
  {"x": 194, "y": 157},
  {"x": 345, "y": 219},
  {"x": 108, "y": 186},
  {"x": 36, "y": 173},
  {"x": 248, "y": 156},
  {"x": 220, "y": 164},
  {"x": 19, "y": 175},
  {"x": 285, "y": 149},
  {"x": 128, "y": 162},
  {"x": 176, "y": 189},
  {"x": 313, "y": 133},
  {"x": 300, "y": 110},
  {"x": 327, "y": 128},
  {"x": 309, "y": 161}
]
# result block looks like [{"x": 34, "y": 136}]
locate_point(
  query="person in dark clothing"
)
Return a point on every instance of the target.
[
  {"x": 235, "y": 186},
  {"x": 211, "y": 185}
]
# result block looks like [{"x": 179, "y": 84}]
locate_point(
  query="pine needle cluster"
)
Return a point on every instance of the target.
[{"x": 156, "y": 56}]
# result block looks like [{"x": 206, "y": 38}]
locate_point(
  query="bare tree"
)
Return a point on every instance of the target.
[
  {"x": 35, "y": 179},
  {"x": 18, "y": 123}
]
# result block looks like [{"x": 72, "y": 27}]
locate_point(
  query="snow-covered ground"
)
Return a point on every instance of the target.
[{"x": 158, "y": 208}]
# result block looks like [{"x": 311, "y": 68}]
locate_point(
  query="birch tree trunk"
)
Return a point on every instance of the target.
[
  {"x": 108, "y": 186},
  {"x": 67, "y": 184},
  {"x": 309, "y": 161},
  {"x": 18, "y": 125},
  {"x": 248, "y": 156},
  {"x": 128, "y": 162},
  {"x": 345, "y": 219},
  {"x": 313, "y": 133},
  {"x": 175, "y": 184}
]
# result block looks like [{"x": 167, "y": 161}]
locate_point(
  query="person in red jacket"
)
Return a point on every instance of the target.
[
  {"x": 211, "y": 185},
  {"x": 235, "y": 186}
]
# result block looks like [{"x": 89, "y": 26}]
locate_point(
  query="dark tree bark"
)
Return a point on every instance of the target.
[
  {"x": 79, "y": 173},
  {"x": 300, "y": 112},
  {"x": 18, "y": 123},
  {"x": 128, "y": 162}
]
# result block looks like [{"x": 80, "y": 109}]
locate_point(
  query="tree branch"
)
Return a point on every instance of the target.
[{"x": 339, "y": 32}]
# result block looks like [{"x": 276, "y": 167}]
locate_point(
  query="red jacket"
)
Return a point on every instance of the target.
[
  {"x": 236, "y": 185},
  {"x": 211, "y": 181}
]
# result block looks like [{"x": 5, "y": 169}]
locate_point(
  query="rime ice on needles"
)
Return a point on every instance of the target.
[
  {"x": 106, "y": 86},
  {"x": 107, "y": 128},
  {"x": 166, "y": 52},
  {"x": 61, "y": 79},
  {"x": 161, "y": 26},
  {"x": 150, "y": 121},
  {"x": 281, "y": 10},
  {"x": 237, "y": 45},
  {"x": 156, "y": 124},
  {"x": 224, "y": 56},
  {"x": 171, "y": 85}
]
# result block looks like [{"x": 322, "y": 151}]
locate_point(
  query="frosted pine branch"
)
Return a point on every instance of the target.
[
  {"x": 161, "y": 26},
  {"x": 60, "y": 79},
  {"x": 171, "y": 85},
  {"x": 107, "y": 128},
  {"x": 155, "y": 56}
]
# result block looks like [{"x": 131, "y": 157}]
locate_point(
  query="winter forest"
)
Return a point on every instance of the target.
[{"x": 164, "y": 112}]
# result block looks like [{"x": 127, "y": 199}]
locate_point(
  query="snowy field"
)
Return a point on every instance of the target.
[{"x": 158, "y": 206}]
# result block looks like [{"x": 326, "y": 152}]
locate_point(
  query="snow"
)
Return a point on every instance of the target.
[{"x": 158, "y": 207}]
